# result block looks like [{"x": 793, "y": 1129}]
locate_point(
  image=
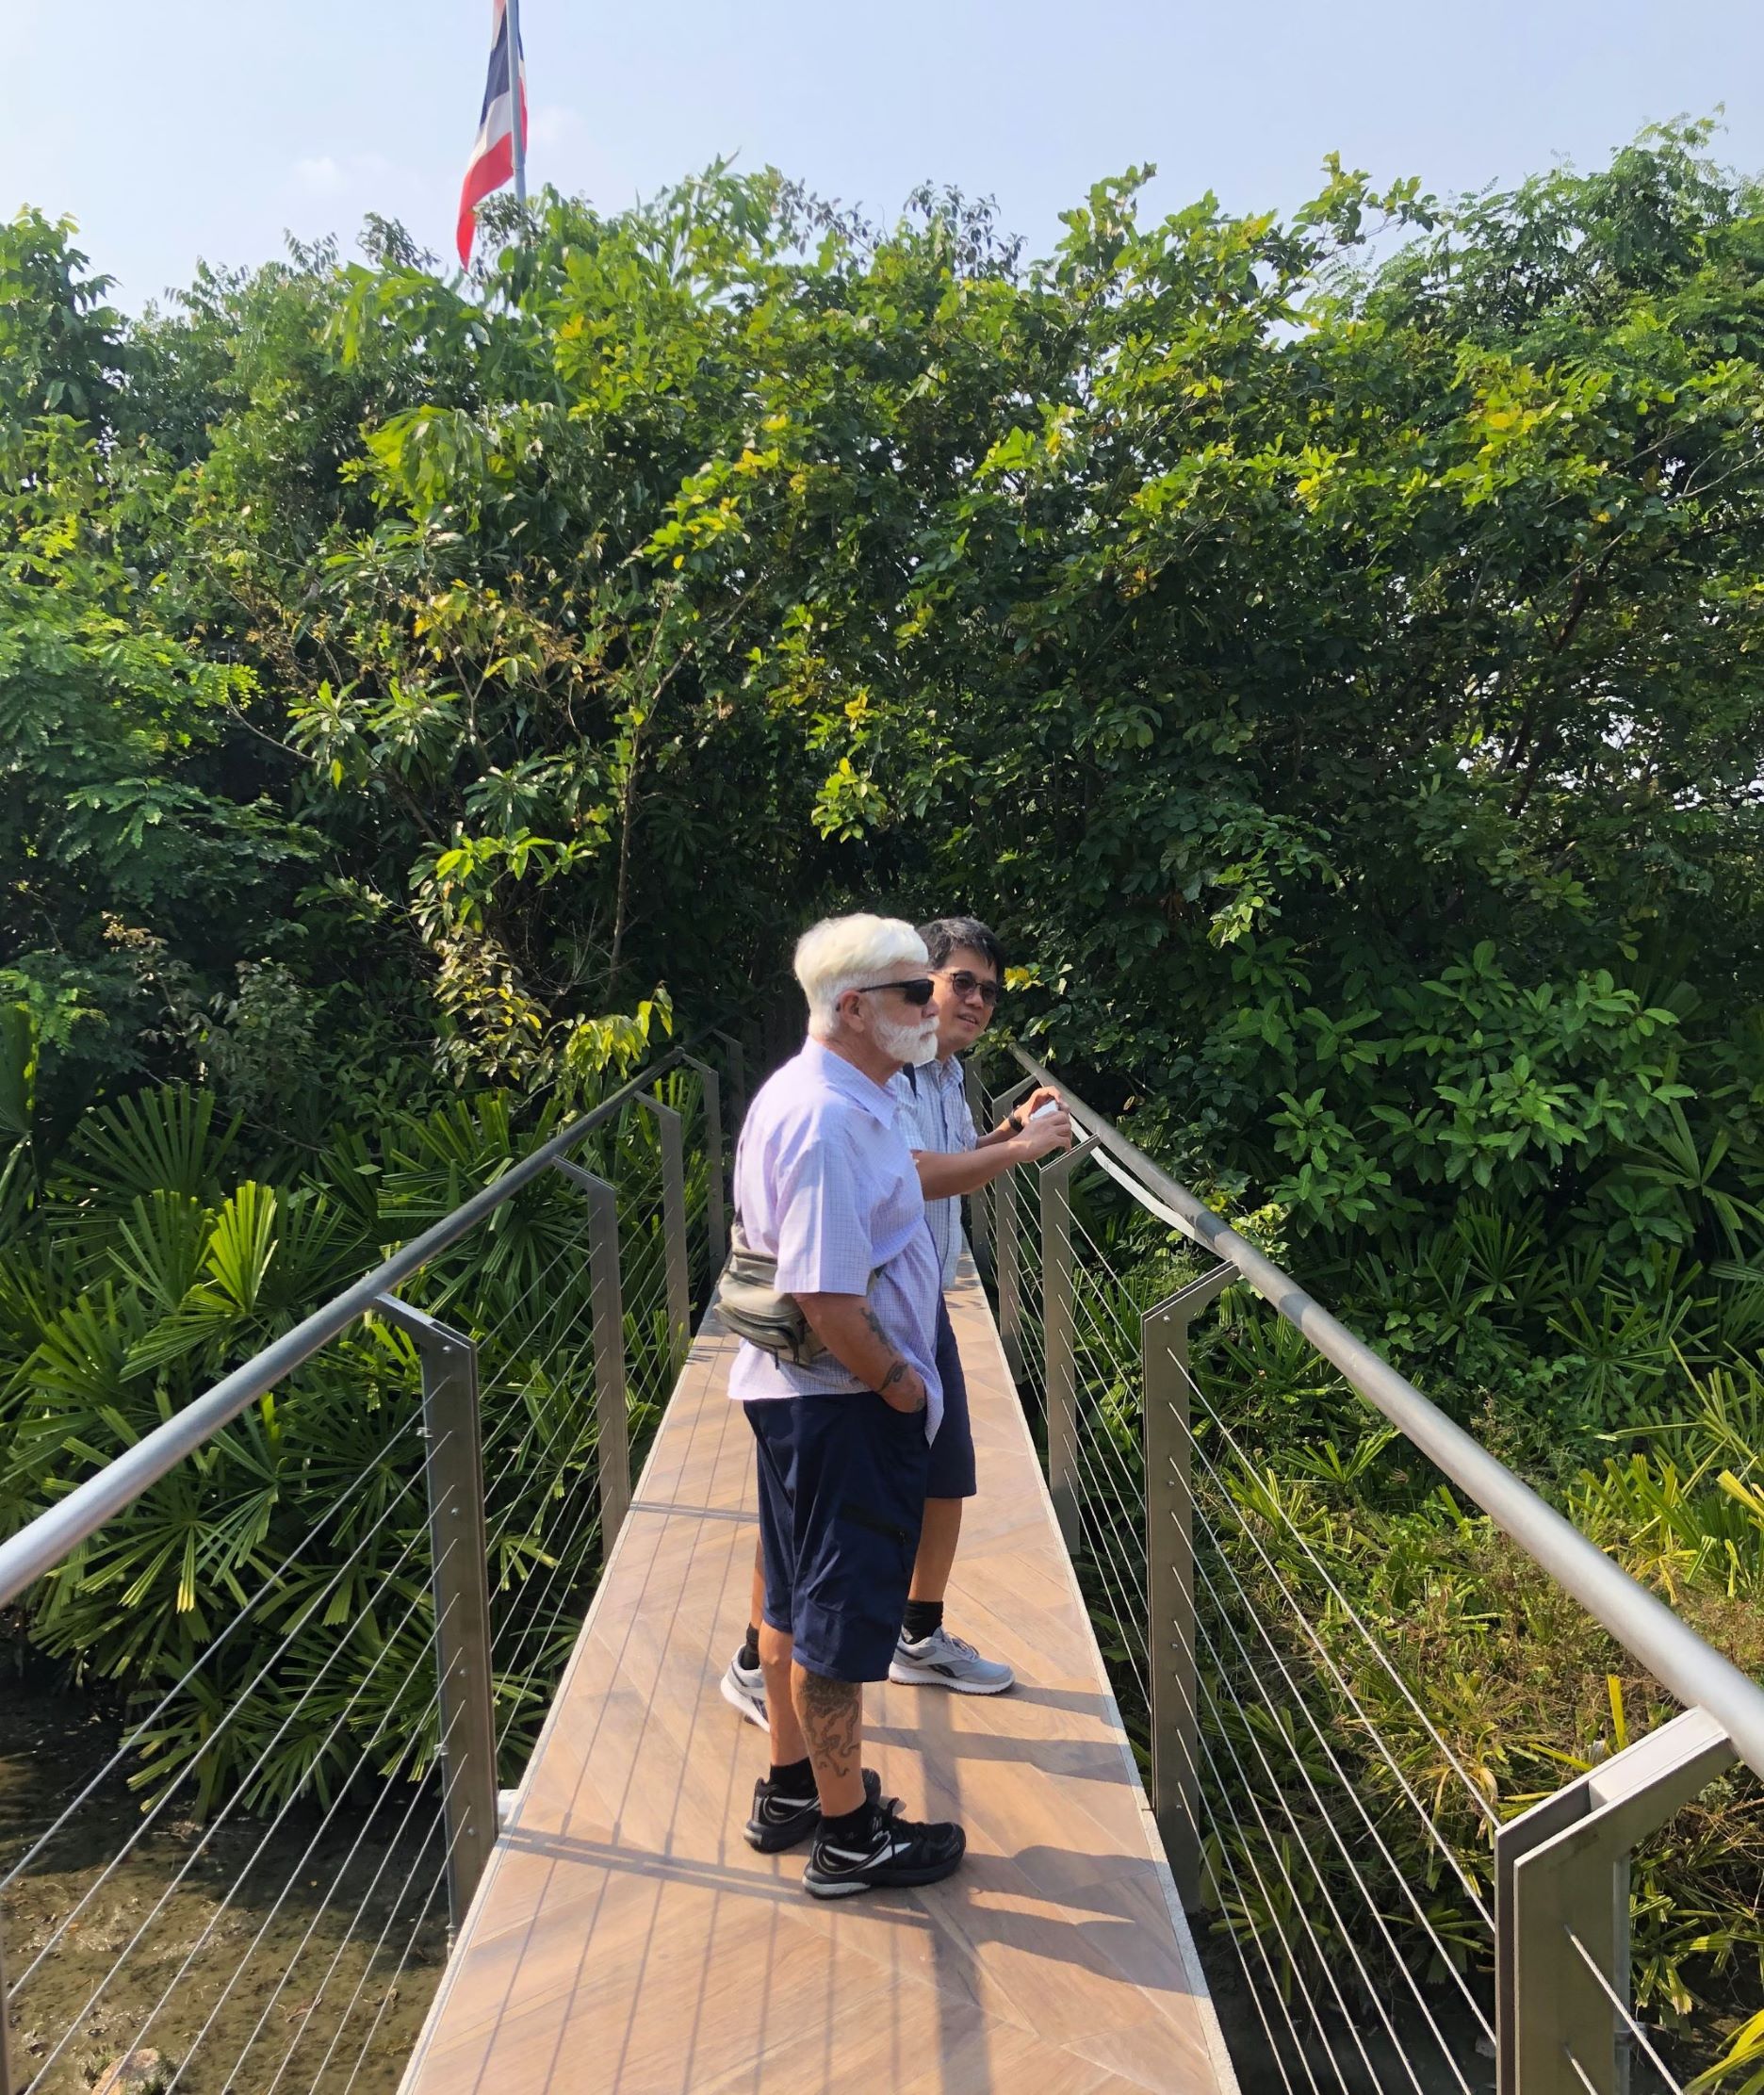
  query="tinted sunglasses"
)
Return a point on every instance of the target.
[
  {"x": 965, "y": 985},
  {"x": 919, "y": 990}
]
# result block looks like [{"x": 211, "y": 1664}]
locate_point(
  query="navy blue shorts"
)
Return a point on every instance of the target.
[
  {"x": 841, "y": 1497},
  {"x": 952, "y": 1471}
]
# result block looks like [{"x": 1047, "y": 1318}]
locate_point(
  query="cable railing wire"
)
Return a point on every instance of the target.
[
  {"x": 1108, "y": 1483},
  {"x": 1270, "y": 1906},
  {"x": 1301, "y": 1619},
  {"x": 1223, "y": 1617},
  {"x": 114, "y": 1763},
  {"x": 1212, "y": 1416},
  {"x": 385, "y": 1998},
  {"x": 364, "y": 1751},
  {"x": 367, "y": 1898},
  {"x": 239, "y": 1704},
  {"x": 503, "y": 1737},
  {"x": 190, "y": 1954},
  {"x": 1246, "y": 1789},
  {"x": 1471, "y": 1788},
  {"x": 321, "y": 1905},
  {"x": 1625, "y": 2015},
  {"x": 539, "y": 1411},
  {"x": 208, "y": 1833},
  {"x": 1372, "y": 1730},
  {"x": 1118, "y": 1585}
]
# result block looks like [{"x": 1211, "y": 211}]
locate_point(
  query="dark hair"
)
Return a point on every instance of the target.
[{"x": 942, "y": 935}]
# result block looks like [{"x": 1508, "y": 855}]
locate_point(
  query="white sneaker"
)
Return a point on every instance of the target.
[
  {"x": 941, "y": 1661},
  {"x": 744, "y": 1692}
]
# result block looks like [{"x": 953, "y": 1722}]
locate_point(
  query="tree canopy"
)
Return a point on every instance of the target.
[{"x": 1336, "y": 677}]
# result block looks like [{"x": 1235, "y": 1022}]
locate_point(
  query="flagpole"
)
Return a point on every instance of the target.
[{"x": 518, "y": 115}]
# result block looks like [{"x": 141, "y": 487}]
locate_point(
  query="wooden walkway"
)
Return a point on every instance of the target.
[{"x": 625, "y": 1937}]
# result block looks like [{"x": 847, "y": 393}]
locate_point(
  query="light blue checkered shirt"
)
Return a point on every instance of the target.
[
  {"x": 934, "y": 1115},
  {"x": 826, "y": 1183}
]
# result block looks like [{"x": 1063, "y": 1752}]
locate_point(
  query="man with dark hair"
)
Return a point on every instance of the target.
[{"x": 968, "y": 965}]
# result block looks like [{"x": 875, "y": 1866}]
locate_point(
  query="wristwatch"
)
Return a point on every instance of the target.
[{"x": 1011, "y": 1120}]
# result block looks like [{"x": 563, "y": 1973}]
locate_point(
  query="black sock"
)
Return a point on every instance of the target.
[
  {"x": 856, "y": 1826},
  {"x": 750, "y": 1650},
  {"x": 796, "y": 1781},
  {"x": 919, "y": 1619}
]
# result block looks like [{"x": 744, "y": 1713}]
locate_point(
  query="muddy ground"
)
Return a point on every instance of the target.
[{"x": 257, "y": 1961}]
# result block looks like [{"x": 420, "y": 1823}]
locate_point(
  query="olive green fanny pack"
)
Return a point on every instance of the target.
[{"x": 751, "y": 1304}]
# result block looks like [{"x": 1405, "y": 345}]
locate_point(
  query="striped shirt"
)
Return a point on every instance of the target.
[
  {"x": 825, "y": 1183},
  {"x": 934, "y": 1115}
]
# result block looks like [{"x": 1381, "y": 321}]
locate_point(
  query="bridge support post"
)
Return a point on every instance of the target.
[
  {"x": 461, "y": 1578},
  {"x": 715, "y": 1222},
  {"x": 1057, "y": 1325},
  {"x": 611, "y": 1404},
  {"x": 1169, "y": 1450},
  {"x": 1562, "y": 1910},
  {"x": 1008, "y": 1247},
  {"x": 673, "y": 1226}
]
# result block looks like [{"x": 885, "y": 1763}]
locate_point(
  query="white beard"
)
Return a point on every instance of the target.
[{"x": 915, "y": 1045}]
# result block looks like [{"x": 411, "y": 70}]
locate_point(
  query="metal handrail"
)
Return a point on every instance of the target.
[
  {"x": 1672, "y": 1652},
  {"x": 43, "y": 1544}
]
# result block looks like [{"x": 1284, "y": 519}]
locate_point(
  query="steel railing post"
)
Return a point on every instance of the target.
[
  {"x": 1170, "y": 1575},
  {"x": 1561, "y": 1879},
  {"x": 715, "y": 1216},
  {"x": 738, "y": 1074},
  {"x": 1057, "y": 1325},
  {"x": 673, "y": 1226},
  {"x": 461, "y": 1578},
  {"x": 979, "y": 1201},
  {"x": 1008, "y": 1250},
  {"x": 612, "y": 1405}
]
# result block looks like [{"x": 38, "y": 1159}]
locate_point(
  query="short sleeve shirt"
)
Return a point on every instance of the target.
[
  {"x": 826, "y": 1183},
  {"x": 935, "y": 1116}
]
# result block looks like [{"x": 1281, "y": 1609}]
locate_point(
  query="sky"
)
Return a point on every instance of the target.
[{"x": 190, "y": 128}]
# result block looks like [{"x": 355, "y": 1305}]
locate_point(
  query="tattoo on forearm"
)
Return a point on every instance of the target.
[
  {"x": 898, "y": 1369},
  {"x": 831, "y": 1716}
]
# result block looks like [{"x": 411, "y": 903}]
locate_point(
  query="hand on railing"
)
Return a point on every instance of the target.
[
  {"x": 1043, "y": 1094},
  {"x": 1043, "y": 1131},
  {"x": 1036, "y": 1126}
]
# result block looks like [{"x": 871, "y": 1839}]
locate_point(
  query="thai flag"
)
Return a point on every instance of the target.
[{"x": 493, "y": 157}]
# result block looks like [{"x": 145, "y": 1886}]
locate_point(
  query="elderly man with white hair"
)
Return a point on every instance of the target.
[{"x": 825, "y": 1185}]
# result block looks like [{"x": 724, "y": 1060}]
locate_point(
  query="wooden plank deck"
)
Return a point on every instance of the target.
[{"x": 625, "y": 1937}]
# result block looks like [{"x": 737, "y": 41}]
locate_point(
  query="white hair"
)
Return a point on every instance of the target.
[{"x": 850, "y": 952}]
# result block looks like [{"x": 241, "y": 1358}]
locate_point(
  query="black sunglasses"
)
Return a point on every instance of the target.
[
  {"x": 964, "y": 984},
  {"x": 920, "y": 990}
]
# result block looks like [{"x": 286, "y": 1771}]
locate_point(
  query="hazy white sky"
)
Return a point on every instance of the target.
[{"x": 180, "y": 128}]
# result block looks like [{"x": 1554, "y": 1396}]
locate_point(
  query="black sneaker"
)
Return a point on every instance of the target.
[
  {"x": 897, "y": 1852},
  {"x": 779, "y": 1821}
]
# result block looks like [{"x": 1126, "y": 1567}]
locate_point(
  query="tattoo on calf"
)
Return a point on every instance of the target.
[{"x": 831, "y": 1714}]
